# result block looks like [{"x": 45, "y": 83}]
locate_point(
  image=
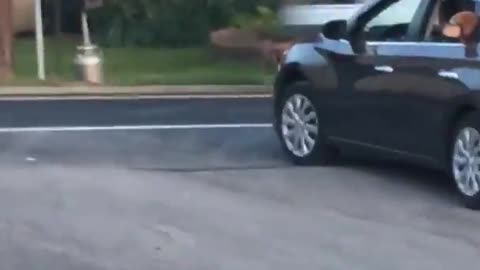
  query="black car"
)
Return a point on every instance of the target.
[{"x": 400, "y": 78}]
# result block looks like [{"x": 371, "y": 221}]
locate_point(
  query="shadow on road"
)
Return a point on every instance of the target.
[{"x": 407, "y": 176}]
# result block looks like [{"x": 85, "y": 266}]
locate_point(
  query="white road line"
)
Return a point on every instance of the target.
[
  {"x": 126, "y": 128},
  {"x": 136, "y": 97}
]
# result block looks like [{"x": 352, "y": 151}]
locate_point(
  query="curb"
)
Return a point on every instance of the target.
[{"x": 134, "y": 91}]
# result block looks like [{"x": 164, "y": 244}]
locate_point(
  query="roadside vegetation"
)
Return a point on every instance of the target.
[
  {"x": 157, "y": 42},
  {"x": 145, "y": 66}
]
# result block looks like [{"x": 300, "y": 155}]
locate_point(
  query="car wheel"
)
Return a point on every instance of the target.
[
  {"x": 465, "y": 159},
  {"x": 299, "y": 128}
]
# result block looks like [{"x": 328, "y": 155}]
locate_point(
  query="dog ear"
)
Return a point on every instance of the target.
[{"x": 468, "y": 23}]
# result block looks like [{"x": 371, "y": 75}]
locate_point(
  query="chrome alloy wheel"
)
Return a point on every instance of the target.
[
  {"x": 299, "y": 125},
  {"x": 466, "y": 161}
]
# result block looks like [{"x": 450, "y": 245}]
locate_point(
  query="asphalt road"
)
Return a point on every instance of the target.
[
  {"x": 133, "y": 112},
  {"x": 209, "y": 198}
]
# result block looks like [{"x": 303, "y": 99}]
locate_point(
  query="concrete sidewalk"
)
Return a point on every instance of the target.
[{"x": 76, "y": 91}]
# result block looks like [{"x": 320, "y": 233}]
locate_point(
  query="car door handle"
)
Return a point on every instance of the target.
[
  {"x": 448, "y": 74},
  {"x": 387, "y": 69}
]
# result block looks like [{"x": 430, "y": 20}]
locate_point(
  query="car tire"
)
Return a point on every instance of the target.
[
  {"x": 298, "y": 128},
  {"x": 465, "y": 160}
]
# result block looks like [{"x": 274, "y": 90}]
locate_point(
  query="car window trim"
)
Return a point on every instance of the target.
[
  {"x": 420, "y": 43},
  {"x": 343, "y": 46},
  {"x": 415, "y": 49}
]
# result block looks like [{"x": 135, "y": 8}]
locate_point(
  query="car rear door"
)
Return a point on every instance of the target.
[
  {"x": 439, "y": 78},
  {"x": 430, "y": 79}
]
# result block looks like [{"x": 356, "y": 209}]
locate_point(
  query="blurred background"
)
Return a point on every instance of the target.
[{"x": 148, "y": 42}]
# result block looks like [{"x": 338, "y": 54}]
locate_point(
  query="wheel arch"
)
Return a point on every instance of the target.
[
  {"x": 454, "y": 118},
  {"x": 290, "y": 73}
]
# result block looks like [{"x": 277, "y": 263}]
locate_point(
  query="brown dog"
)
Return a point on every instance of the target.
[{"x": 468, "y": 22}]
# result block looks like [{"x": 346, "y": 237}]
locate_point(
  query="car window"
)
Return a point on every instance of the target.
[{"x": 392, "y": 23}]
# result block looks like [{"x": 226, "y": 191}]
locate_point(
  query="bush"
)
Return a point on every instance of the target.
[
  {"x": 165, "y": 22},
  {"x": 150, "y": 23},
  {"x": 264, "y": 22}
]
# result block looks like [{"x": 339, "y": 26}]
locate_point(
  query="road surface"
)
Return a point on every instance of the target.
[{"x": 201, "y": 184}]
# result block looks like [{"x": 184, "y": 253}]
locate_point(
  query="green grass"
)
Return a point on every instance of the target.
[{"x": 139, "y": 66}]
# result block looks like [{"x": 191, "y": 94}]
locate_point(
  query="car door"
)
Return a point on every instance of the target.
[
  {"x": 371, "y": 110},
  {"x": 432, "y": 78},
  {"x": 425, "y": 90}
]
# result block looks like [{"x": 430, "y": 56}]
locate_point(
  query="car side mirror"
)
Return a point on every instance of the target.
[{"x": 335, "y": 30}]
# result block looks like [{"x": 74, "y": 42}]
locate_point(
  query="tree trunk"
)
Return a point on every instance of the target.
[
  {"x": 57, "y": 6},
  {"x": 6, "y": 39}
]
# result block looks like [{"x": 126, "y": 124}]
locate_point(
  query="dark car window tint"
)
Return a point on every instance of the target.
[{"x": 392, "y": 23}]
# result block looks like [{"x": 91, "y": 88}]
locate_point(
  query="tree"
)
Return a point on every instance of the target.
[
  {"x": 57, "y": 7},
  {"x": 6, "y": 39},
  {"x": 166, "y": 22}
]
